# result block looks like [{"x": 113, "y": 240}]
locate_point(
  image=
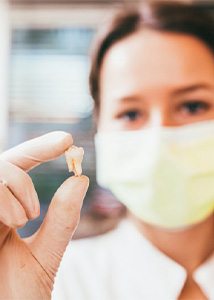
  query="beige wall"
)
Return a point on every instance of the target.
[{"x": 56, "y": 16}]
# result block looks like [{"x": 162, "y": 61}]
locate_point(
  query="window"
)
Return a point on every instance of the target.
[{"x": 49, "y": 75}]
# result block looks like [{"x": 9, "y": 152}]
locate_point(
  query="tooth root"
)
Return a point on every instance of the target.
[
  {"x": 69, "y": 161},
  {"x": 72, "y": 167},
  {"x": 77, "y": 167}
]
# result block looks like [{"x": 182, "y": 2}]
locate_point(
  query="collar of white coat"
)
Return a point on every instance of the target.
[{"x": 165, "y": 277}]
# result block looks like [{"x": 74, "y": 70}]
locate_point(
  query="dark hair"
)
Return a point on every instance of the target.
[{"x": 170, "y": 16}]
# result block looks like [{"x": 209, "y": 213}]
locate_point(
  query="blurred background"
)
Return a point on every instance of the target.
[{"x": 44, "y": 63}]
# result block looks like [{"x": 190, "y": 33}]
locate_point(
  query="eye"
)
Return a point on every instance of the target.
[
  {"x": 130, "y": 115},
  {"x": 194, "y": 107}
]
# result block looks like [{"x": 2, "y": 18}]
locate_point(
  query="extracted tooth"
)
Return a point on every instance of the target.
[{"x": 74, "y": 156}]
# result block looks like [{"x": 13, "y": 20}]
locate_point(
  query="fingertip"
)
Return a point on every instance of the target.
[
  {"x": 73, "y": 190},
  {"x": 61, "y": 140},
  {"x": 85, "y": 179},
  {"x": 35, "y": 213},
  {"x": 65, "y": 138},
  {"x": 52, "y": 145},
  {"x": 20, "y": 223},
  {"x": 78, "y": 181},
  {"x": 75, "y": 181}
]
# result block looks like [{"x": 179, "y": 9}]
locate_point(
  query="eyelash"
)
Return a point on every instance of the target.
[
  {"x": 194, "y": 106},
  {"x": 131, "y": 115},
  {"x": 191, "y": 107}
]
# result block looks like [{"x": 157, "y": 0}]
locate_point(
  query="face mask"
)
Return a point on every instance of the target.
[{"x": 164, "y": 176}]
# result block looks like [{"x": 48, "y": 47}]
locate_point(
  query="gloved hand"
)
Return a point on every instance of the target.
[{"x": 28, "y": 267}]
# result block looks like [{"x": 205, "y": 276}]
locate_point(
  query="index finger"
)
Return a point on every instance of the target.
[{"x": 39, "y": 150}]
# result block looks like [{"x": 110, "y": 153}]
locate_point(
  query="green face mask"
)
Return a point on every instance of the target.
[{"x": 165, "y": 176}]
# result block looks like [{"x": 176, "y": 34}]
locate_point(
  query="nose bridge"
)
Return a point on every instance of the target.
[
  {"x": 159, "y": 116},
  {"x": 155, "y": 117}
]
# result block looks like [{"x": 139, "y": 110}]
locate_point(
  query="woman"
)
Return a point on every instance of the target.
[{"x": 152, "y": 80}]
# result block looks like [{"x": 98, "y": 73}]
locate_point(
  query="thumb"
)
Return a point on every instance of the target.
[{"x": 49, "y": 243}]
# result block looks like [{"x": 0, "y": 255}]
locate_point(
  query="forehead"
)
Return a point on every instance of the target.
[{"x": 150, "y": 59}]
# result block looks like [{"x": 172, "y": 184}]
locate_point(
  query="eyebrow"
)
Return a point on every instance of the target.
[
  {"x": 177, "y": 92},
  {"x": 193, "y": 88},
  {"x": 127, "y": 99}
]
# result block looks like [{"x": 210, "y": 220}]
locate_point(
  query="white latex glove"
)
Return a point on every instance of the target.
[{"x": 28, "y": 267}]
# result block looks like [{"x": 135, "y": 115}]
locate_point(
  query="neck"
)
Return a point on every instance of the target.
[{"x": 190, "y": 247}]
